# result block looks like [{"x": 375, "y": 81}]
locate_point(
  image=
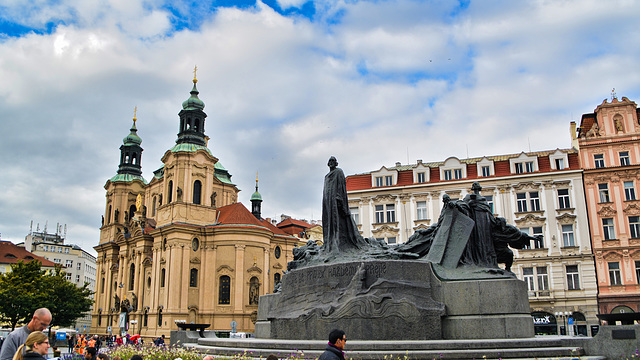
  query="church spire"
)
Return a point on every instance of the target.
[
  {"x": 192, "y": 118},
  {"x": 131, "y": 151},
  {"x": 256, "y": 201}
]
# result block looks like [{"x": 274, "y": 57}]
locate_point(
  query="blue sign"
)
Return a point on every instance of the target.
[
  {"x": 570, "y": 321},
  {"x": 61, "y": 335}
]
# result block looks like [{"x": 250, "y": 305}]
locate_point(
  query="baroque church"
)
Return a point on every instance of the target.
[{"x": 180, "y": 248}]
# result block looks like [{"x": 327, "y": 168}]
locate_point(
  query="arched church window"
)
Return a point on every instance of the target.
[
  {"x": 132, "y": 210},
  {"x": 159, "y": 317},
  {"x": 254, "y": 291},
  {"x": 170, "y": 192},
  {"x": 193, "y": 278},
  {"x": 132, "y": 272},
  {"x": 145, "y": 318},
  {"x": 276, "y": 278},
  {"x": 162, "y": 275},
  {"x": 109, "y": 215},
  {"x": 134, "y": 158},
  {"x": 154, "y": 206},
  {"x": 197, "y": 190},
  {"x": 224, "y": 290}
]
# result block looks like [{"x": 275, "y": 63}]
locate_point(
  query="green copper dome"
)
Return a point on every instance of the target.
[
  {"x": 256, "y": 196},
  {"x": 132, "y": 138},
  {"x": 193, "y": 103}
]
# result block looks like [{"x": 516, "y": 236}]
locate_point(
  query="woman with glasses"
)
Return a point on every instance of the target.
[{"x": 35, "y": 348}]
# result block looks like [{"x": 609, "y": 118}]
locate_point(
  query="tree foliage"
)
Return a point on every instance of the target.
[{"x": 27, "y": 287}]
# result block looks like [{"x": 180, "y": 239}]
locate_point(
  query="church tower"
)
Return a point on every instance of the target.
[
  {"x": 131, "y": 152},
  {"x": 192, "y": 118},
  {"x": 256, "y": 202}
]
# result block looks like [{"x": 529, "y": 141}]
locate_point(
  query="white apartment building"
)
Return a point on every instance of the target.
[{"x": 539, "y": 192}]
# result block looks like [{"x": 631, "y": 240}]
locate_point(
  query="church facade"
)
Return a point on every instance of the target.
[{"x": 180, "y": 248}]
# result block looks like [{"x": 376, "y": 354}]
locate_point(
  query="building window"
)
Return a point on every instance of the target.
[
  {"x": 391, "y": 213},
  {"x": 573, "y": 277},
  {"x": 559, "y": 164},
  {"x": 154, "y": 206},
  {"x": 629, "y": 191},
  {"x": 193, "y": 278},
  {"x": 603, "y": 190},
  {"x": 77, "y": 278},
  {"x": 132, "y": 272},
  {"x": 79, "y": 266},
  {"x": 489, "y": 199},
  {"x": 634, "y": 226},
  {"x": 391, "y": 240},
  {"x": 637, "y": 272},
  {"x": 538, "y": 243},
  {"x": 170, "y": 192},
  {"x": 563, "y": 199},
  {"x": 615, "y": 277},
  {"x": 388, "y": 180},
  {"x": 457, "y": 174},
  {"x": 379, "y": 181},
  {"x": 197, "y": 191},
  {"x": 160, "y": 317},
  {"x": 162, "y": 276},
  {"x": 422, "y": 178},
  {"x": 224, "y": 291},
  {"x": 421, "y": 210},
  {"x": 534, "y": 201},
  {"x": 524, "y": 167},
  {"x": 276, "y": 278},
  {"x": 567, "y": 235},
  {"x": 609, "y": 230},
  {"x": 543, "y": 278},
  {"x": 355, "y": 214},
  {"x": 486, "y": 171},
  {"x": 379, "y": 214},
  {"x": 447, "y": 175},
  {"x": 599, "y": 160},
  {"x": 527, "y": 277},
  {"x": 624, "y": 158},
  {"x": 145, "y": 318},
  {"x": 69, "y": 263}
]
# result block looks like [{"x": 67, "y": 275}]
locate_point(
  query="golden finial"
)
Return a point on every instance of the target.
[
  {"x": 195, "y": 69},
  {"x": 256, "y": 176},
  {"x": 135, "y": 112}
]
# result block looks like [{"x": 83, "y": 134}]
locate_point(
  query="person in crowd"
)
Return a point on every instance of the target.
[
  {"x": 40, "y": 321},
  {"x": 90, "y": 353},
  {"x": 136, "y": 357},
  {"x": 103, "y": 356},
  {"x": 270, "y": 357},
  {"x": 56, "y": 352},
  {"x": 335, "y": 347},
  {"x": 208, "y": 357},
  {"x": 35, "y": 347},
  {"x": 70, "y": 342},
  {"x": 116, "y": 358}
]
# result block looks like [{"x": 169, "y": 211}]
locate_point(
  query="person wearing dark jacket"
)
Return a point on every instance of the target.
[
  {"x": 337, "y": 341},
  {"x": 35, "y": 347}
]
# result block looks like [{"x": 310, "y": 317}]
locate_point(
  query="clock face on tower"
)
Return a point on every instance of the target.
[{"x": 277, "y": 252}]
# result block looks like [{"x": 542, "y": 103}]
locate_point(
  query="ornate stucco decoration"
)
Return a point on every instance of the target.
[
  {"x": 564, "y": 183},
  {"x": 607, "y": 211},
  {"x": 529, "y": 185},
  {"x": 384, "y": 199},
  {"x": 354, "y": 202},
  {"x": 530, "y": 219},
  {"x": 454, "y": 194},
  {"x": 277, "y": 266},
  {"x": 503, "y": 188},
  {"x": 148, "y": 261},
  {"x": 435, "y": 194},
  {"x": 195, "y": 260},
  {"x": 254, "y": 269},
  {"x": 566, "y": 219},
  {"x": 632, "y": 209},
  {"x": 114, "y": 267},
  {"x": 612, "y": 255},
  {"x": 385, "y": 229},
  {"x": 225, "y": 268},
  {"x": 421, "y": 226},
  {"x": 421, "y": 196},
  {"x": 162, "y": 260}
]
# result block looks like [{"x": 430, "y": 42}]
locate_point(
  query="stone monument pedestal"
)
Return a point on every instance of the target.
[{"x": 393, "y": 300}]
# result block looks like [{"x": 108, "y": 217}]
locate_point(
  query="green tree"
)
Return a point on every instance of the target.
[
  {"x": 21, "y": 292},
  {"x": 65, "y": 300},
  {"x": 27, "y": 288}
]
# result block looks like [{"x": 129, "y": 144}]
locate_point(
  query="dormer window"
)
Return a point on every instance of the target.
[
  {"x": 524, "y": 167},
  {"x": 384, "y": 177},
  {"x": 486, "y": 171},
  {"x": 388, "y": 180},
  {"x": 379, "y": 181},
  {"x": 421, "y": 177}
]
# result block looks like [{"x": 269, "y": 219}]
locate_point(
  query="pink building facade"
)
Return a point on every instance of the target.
[{"x": 609, "y": 148}]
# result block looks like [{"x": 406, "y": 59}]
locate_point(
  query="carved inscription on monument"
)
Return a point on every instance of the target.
[{"x": 373, "y": 271}]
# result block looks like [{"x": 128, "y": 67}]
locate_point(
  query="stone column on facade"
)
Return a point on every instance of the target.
[
  {"x": 175, "y": 282},
  {"x": 168, "y": 274},
  {"x": 405, "y": 224},
  {"x": 155, "y": 275},
  {"x": 266, "y": 271},
  {"x": 186, "y": 273},
  {"x": 239, "y": 285}
]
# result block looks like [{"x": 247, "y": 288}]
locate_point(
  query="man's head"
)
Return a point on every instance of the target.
[
  {"x": 338, "y": 338},
  {"x": 40, "y": 320},
  {"x": 90, "y": 353},
  {"x": 208, "y": 357},
  {"x": 103, "y": 356},
  {"x": 333, "y": 162},
  {"x": 476, "y": 187}
]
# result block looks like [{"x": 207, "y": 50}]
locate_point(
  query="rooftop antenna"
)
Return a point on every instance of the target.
[
  {"x": 57, "y": 229},
  {"x": 467, "y": 151},
  {"x": 529, "y": 141},
  {"x": 31, "y": 228},
  {"x": 45, "y": 226},
  {"x": 65, "y": 231}
]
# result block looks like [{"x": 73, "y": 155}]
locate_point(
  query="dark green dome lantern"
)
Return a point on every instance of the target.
[
  {"x": 192, "y": 118},
  {"x": 131, "y": 152},
  {"x": 256, "y": 202}
]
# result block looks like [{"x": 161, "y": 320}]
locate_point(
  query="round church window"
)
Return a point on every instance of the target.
[
  {"x": 277, "y": 252},
  {"x": 195, "y": 243}
]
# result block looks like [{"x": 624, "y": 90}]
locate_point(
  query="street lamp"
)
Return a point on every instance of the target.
[{"x": 563, "y": 316}]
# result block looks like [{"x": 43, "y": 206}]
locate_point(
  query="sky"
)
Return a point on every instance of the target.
[{"x": 286, "y": 85}]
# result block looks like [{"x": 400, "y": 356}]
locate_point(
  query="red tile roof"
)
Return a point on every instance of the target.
[
  {"x": 544, "y": 164},
  {"x": 405, "y": 177},
  {"x": 11, "y": 253},
  {"x": 359, "y": 182},
  {"x": 586, "y": 123},
  {"x": 273, "y": 228},
  {"x": 236, "y": 214},
  {"x": 293, "y": 222}
]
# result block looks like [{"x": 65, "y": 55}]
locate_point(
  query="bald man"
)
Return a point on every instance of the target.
[{"x": 40, "y": 320}]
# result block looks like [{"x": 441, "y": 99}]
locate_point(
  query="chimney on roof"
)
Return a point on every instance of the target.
[
  {"x": 398, "y": 163},
  {"x": 574, "y": 135},
  {"x": 419, "y": 161}
]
